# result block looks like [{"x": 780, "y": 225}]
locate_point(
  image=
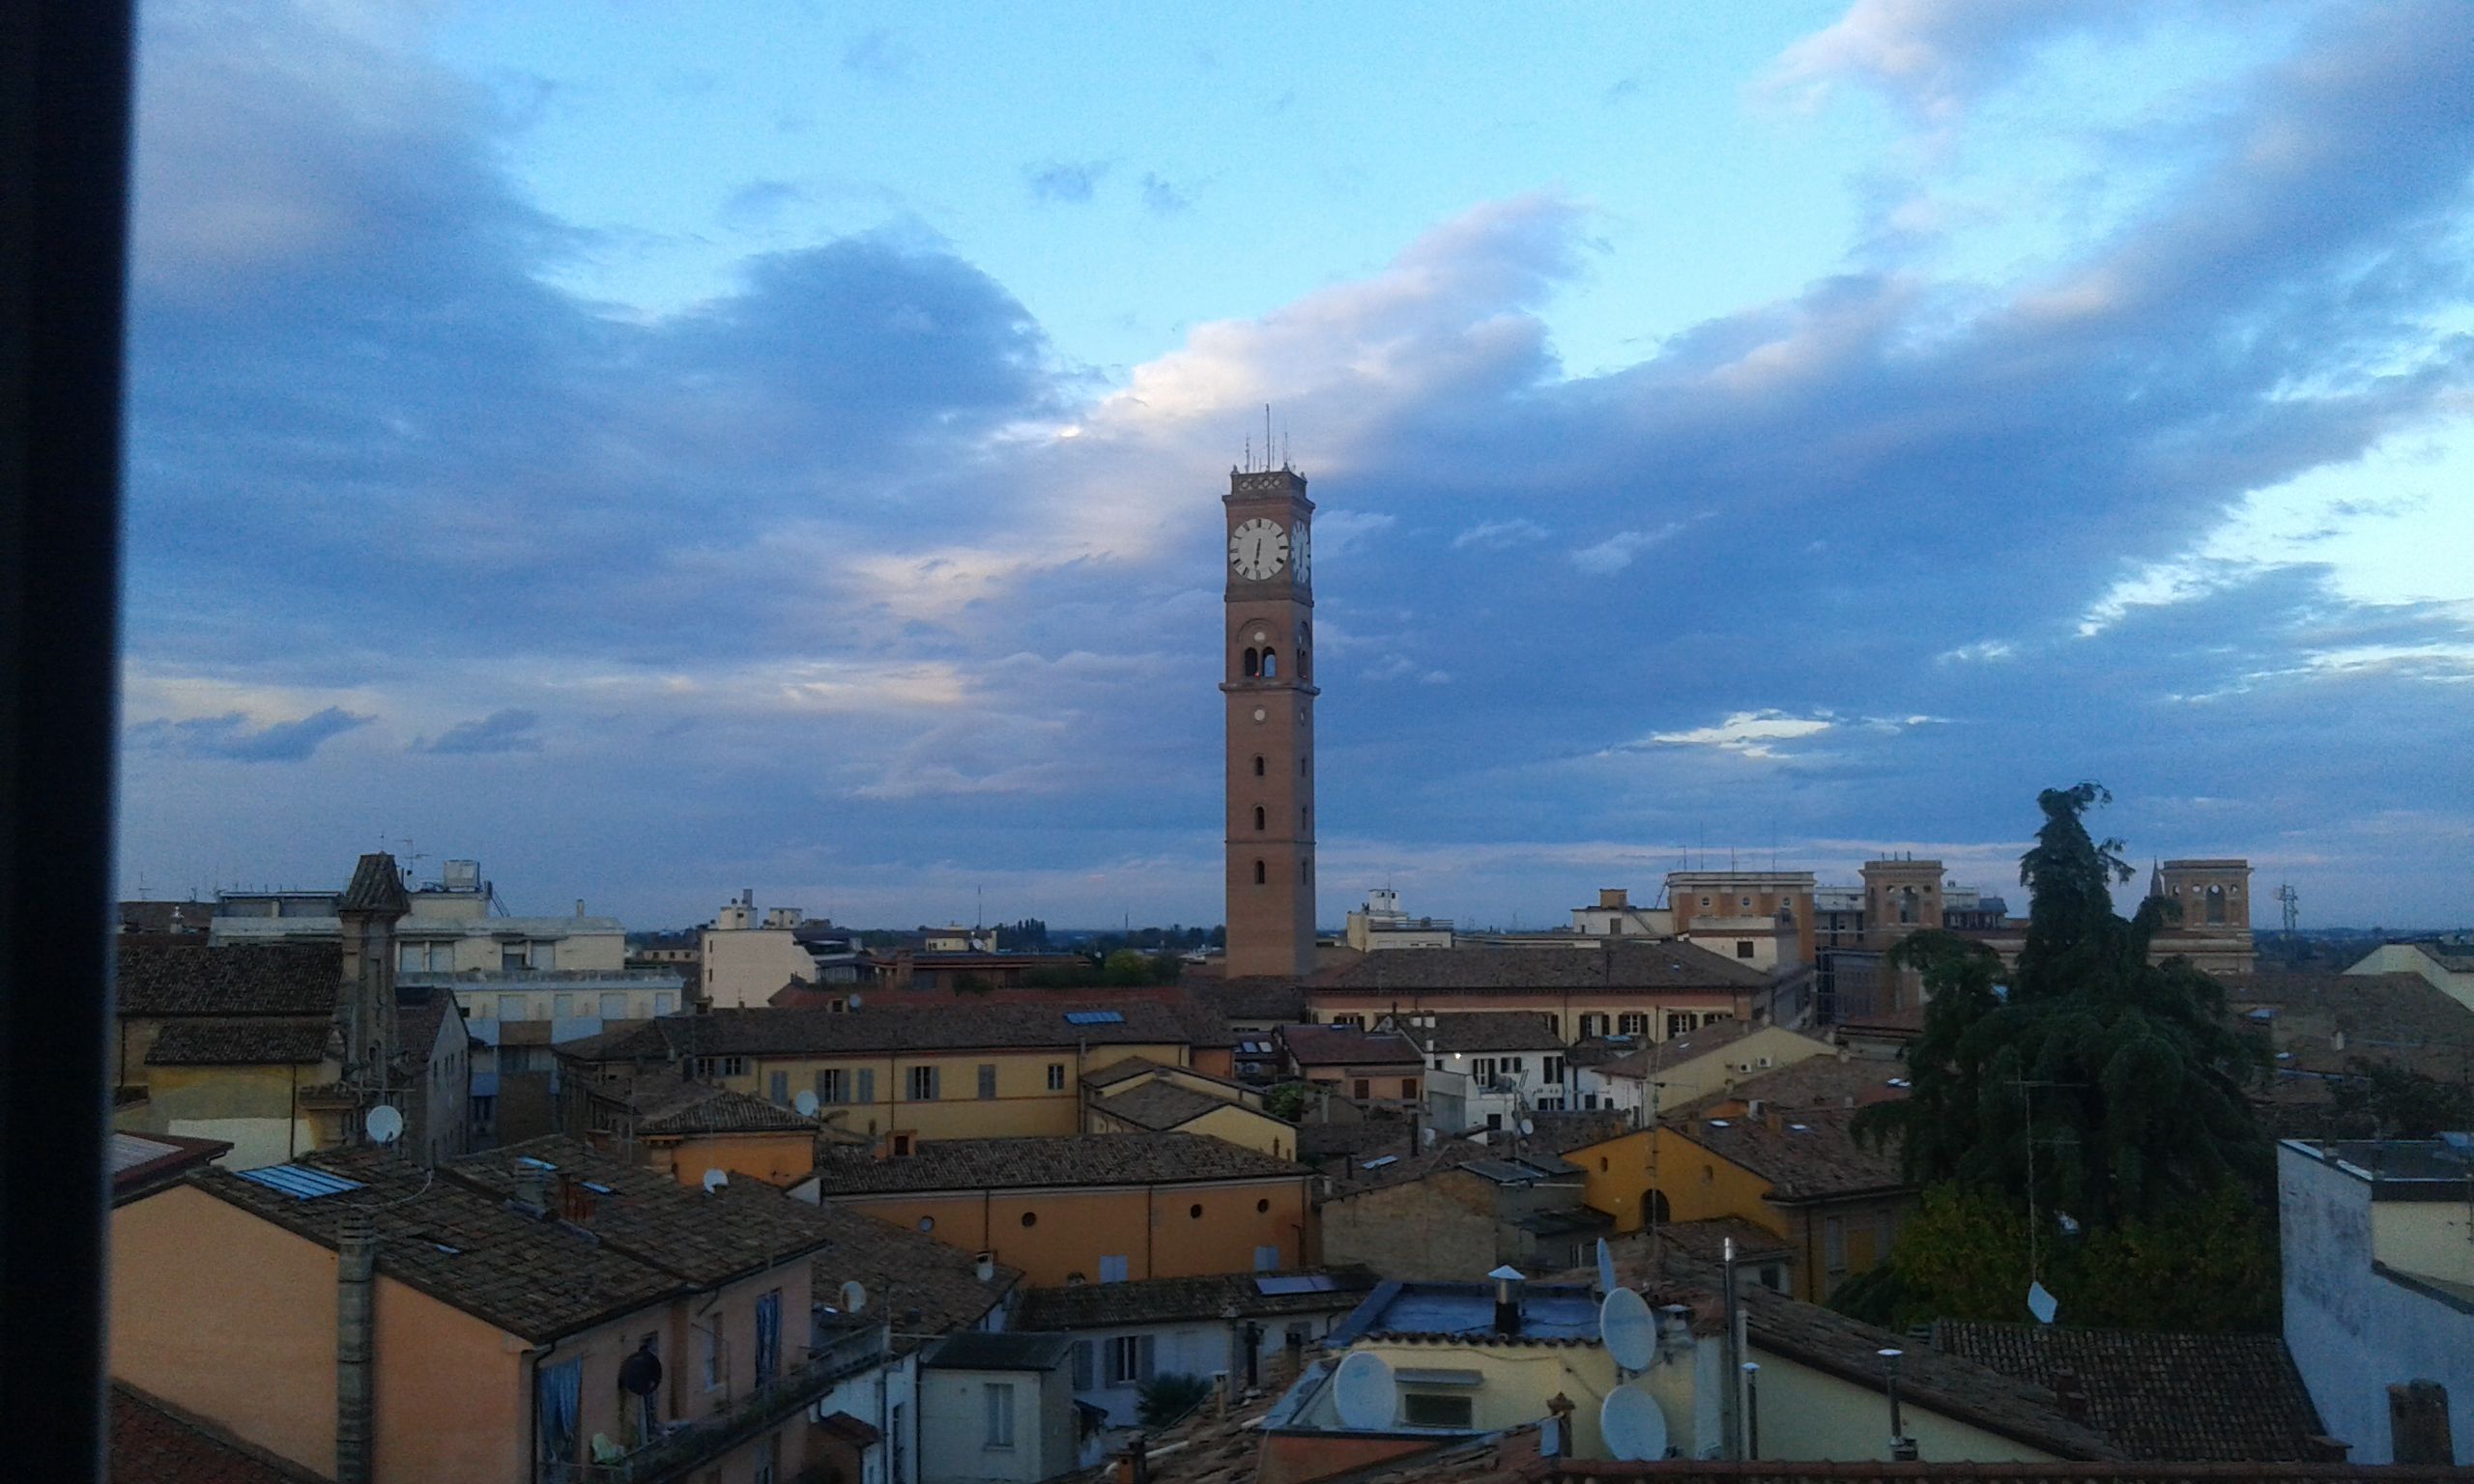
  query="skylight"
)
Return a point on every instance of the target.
[
  {"x": 300, "y": 1182},
  {"x": 1094, "y": 1018},
  {"x": 1376, "y": 1164}
]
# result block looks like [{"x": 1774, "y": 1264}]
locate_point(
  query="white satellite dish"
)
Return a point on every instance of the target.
[
  {"x": 1606, "y": 1268},
  {"x": 386, "y": 1124},
  {"x": 1365, "y": 1395},
  {"x": 714, "y": 1179},
  {"x": 855, "y": 1002},
  {"x": 805, "y": 1103},
  {"x": 1527, "y": 1128},
  {"x": 1426, "y": 1137},
  {"x": 2042, "y": 1303},
  {"x": 1633, "y": 1427},
  {"x": 854, "y": 1297},
  {"x": 1624, "y": 1323}
]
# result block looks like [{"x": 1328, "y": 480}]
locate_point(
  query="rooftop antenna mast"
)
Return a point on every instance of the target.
[
  {"x": 2291, "y": 904},
  {"x": 1267, "y": 435}
]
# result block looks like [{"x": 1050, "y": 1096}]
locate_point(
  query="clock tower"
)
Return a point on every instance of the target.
[{"x": 1268, "y": 659}]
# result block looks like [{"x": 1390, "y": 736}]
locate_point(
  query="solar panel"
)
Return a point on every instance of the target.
[
  {"x": 538, "y": 1164},
  {"x": 1094, "y": 1018},
  {"x": 1302, "y": 1283},
  {"x": 300, "y": 1182},
  {"x": 1376, "y": 1164}
]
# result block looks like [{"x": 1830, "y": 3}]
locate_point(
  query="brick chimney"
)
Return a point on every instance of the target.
[
  {"x": 2071, "y": 1393},
  {"x": 356, "y": 1401}
]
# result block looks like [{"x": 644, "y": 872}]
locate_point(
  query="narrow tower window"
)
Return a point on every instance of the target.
[
  {"x": 1259, "y": 877},
  {"x": 1253, "y": 662},
  {"x": 1270, "y": 663},
  {"x": 1258, "y": 764},
  {"x": 1259, "y": 817}
]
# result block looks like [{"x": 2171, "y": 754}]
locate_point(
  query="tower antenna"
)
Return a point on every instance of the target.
[
  {"x": 1267, "y": 435},
  {"x": 1249, "y": 462}
]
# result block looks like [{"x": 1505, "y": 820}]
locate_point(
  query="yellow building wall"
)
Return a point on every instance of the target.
[
  {"x": 1807, "y": 1414},
  {"x": 1024, "y": 1104},
  {"x": 2430, "y": 1237},
  {"x": 249, "y": 1107},
  {"x": 1711, "y": 1073},
  {"x": 1156, "y": 1230},
  {"x": 1249, "y": 1129},
  {"x": 1562, "y": 1014}
]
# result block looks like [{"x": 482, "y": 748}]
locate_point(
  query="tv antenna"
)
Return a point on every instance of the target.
[
  {"x": 2040, "y": 1300},
  {"x": 2291, "y": 904}
]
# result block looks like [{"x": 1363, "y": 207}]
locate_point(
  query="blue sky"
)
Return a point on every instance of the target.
[{"x": 666, "y": 449}]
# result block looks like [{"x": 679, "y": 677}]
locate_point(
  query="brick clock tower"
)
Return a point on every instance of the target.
[{"x": 1270, "y": 685}]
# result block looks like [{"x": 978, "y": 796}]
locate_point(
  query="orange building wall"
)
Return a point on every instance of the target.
[
  {"x": 775, "y": 1158},
  {"x": 1153, "y": 1229}
]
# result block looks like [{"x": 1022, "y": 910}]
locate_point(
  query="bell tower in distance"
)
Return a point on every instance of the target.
[{"x": 1268, "y": 662}]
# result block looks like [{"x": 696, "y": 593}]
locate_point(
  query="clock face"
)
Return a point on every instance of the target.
[{"x": 1257, "y": 548}]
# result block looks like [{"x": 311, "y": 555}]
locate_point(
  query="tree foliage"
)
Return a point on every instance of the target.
[
  {"x": 2119, "y": 1083},
  {"x": 2379, "y": 1101},
  {"x": 2205, "y": 1267},
  {"x": 1286, "y": 1100}
]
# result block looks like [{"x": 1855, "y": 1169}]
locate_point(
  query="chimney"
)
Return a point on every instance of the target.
[
  {"x": 532, "y": 1190},
  {"x": 2072, "y": 1393},
  {"x": 579, "y": 906},
  {"x": 2418, "y": 1423},
  {"x": 984, "y": 1266},
  {"x": 2337, "y": 1042},
  {"x": 902, "y": 968},
  {"x": 356, "y": 1260},
  {"x": 1614, "y": 898},
  {"x": 575, "y": 1202},
  {"x": 1775, "y": 1118},
  {"x": 1508, "y": 1282}
]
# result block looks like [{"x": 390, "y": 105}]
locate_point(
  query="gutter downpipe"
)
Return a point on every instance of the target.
[
  {"x": 1738, "y": 1446},
  {"x": 356, "y": 1264}
]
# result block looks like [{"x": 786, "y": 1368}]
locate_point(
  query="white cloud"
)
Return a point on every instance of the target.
[
  {"x": 1615, "y": 553},
  {"x": 1494, "y": 534},
  {"x": 1748, "y": 733}
]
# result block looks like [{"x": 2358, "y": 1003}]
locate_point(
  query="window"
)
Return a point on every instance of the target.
[
  {"x": 1419, "y": 1409},
  {"x": 1301, "y": 767},
  {"x": 768, "y": 1336},
  {"x": 1127, "y": 1359},
  {"x": 1704, "y": 901},
  {"x": 664, "y": 1002},
  {"x": 1270, "y": 663},
  {"x": 709, "y": 1350},
  {"x": 1267, "y": 1258},
  {"x": 1364, "y": 1089},
  {"x": 1030, "y": 1218},
  {"x": 1195, "y": 1211},
  {"x": 1593, "y": 1024},
  {"x": 1833, "y": 1245},
  {"x": 902, "y": 1150},
  {"x": 1259, "y": 818},
  {"x": 833, "y": 1085},
  {"x": 1679, "y": 1022},
  {"x": 988, "y": 1079},
  {"x": 1774, "y": 1277},
  {"x": 1743, "y": 948},
  {"x": 1057, "y": 1077},
  {"x": 1408, "y": 1087},
  {"x": 721, "y": 1065},
  {"x": 1632, "y": 1022},
  {"x": 1263, "y": 1205},
  {"x": 868, "y": 1089},
  {"x": 558, "y": 1389},
  {"x": 1306, "y": 871},
  {"x": 1352, "y": 1022},
  {"x": 769, "y": 1460},
  {"x": 1113, "y": 1269},
  {"x": 923, "y": 1084},
  {"x": 484, "y": 1113},
  {"x": 778, "y": 1087},
  {"x": 1086, "y": 1364},
  {"x": 1253, "y": 662},
  {"x": 1258, "y": 764},
  {"x": 999, "y": 1397},
  {"x": 614, "y": 1007},
  {"x": 1259, "y": 877},
  {"x": 1494, "y": 1120},
  {"x": 1551, "y": 1071},
  {"x": 511, "y": 956}
]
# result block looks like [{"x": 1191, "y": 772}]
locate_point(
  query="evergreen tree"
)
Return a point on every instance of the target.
[{"x": 2119, "y": 1082}]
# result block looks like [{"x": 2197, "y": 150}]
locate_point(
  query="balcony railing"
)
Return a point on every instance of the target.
[{"x": 686, "y": 1445}]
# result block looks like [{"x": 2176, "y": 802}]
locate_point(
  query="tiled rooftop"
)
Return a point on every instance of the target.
[
  {"x": 974, "y": 1350},
  {"x": 1257, "y": 998},
  {"x": 154, "y": 1443},
  {"x": 1169, "y": 1300},
  {"x": 1062, "y": 1160},
  {"x": 667, "y": 1103},
  {"x": 1810, "y": 1156},
  {"x": 1479, "y": 1031},
  {"x": 1661, "y": 965},
  {"x": 159, "y": 978},
  {"x": 1162, "y": 1105},
  {"x": 1341, "y": 1045},
  {"x": 247, "y": 1041},
  {"x": 1815, "y": 1082},
  {"x": 908, "y": 1028},
  {"x": 923, "y": 1285},
  {"x": 141, "y": 1162},
  {"x": 2172, "y": 1397}
]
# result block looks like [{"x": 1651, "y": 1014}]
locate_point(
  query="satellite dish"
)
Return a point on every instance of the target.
[
  {"x": 1633, "y": 1427},
  {"x": 854, "y": 1297},
  {"x": 855, "y": 1002},
  {"x": 1624, "y": 1323},
  {"x": 805, "y": 1103},
  {"x": 2042, "y": 1303},
  {"x": 1527, "y": 1128},
  {"x": 1605, "y": 1268},
  {"x": 384, "y": 1124},
  {"x": 1426, "y": 1136},
  {"x": 640, "y": 1374},
  {"x": 1365, "y": 1395},
  {"x": 714, "y": 1179}
]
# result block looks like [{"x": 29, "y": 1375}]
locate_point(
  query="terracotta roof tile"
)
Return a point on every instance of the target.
[
  {"x": 1810, "y": 1156},
  {"x": 1661, "y": 965},
  {"x": 1063, "y": 1159},
  {"x": 1478, "y": 1029},
  {"x": 1341, "y": 1045},
  {"x": 244, "y": 1040},
  {"x": 1162, "y": 1105},
  {"x": 1816, "y": 1082},
  {"x": 926, "y": 1288},
  {"x": 2177, "y": 1397},
  {"x": 879, "y": 1028},
  {"x": 154, "y": 1443},
  {"x": 166, "y": 977}
]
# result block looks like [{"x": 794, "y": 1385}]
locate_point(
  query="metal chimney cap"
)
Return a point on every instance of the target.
[{"x": 1508, "y": 1274}]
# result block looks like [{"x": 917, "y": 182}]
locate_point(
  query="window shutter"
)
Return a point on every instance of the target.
[
  {"x": 936, "y": 1083},
  {"x": 1083, "y": 1367},
  {"x": 1144, "y": 1357},
  {"x": 867, "y": 1084}
]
